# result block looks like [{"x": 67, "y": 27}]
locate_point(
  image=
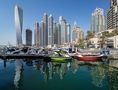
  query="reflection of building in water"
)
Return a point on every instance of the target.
[
  {"x": 113, "y": 63},
  {"x": 5, "y": 63},
  {"x": 113, "y": 78},
  {"x": 62, "y": 70},
  {"x": 19, "y": 68},
  {"x": 37, "y": 64},
  {"x": 113, "y": 75},
  {"x": 49, "y": 69},
  {"x": 29, "y": 62},
  {"x": 98, "y": 74},
  {"x": 46, "y": 71},
  {"x": 75, "y": 66}
]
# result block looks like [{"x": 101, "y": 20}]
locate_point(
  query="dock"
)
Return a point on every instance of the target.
[{"x": 12, "y": 56}]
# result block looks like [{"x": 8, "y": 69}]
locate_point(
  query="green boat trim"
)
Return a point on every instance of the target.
[{"x": 59, "y": 58}]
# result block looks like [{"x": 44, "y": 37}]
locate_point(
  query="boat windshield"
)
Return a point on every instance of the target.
[{"x": 54, "y": 54}]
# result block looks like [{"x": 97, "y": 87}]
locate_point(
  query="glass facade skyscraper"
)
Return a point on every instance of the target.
[
  {"x": 36, "y": 34},
  {"x": 45, "y": 29},
  {"x": 50, "y": 31},
  {"x": 18, "y": 25},
  {"x": 41, "y": 34},
  {"x": 47, "y": 33},
  {"x": 63, "y": 29},
  {"x": 77, "y": 34},
  {"x": 28, "y": 37},
  {"x": 69, "y": 33},
  {"x": 98, "y": 20}
]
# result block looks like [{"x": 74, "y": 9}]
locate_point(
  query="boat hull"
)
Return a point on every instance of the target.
[{"x": 88, "y": 58}]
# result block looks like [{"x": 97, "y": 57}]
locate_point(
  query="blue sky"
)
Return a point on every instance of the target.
[{"x": 33, "y": 10}]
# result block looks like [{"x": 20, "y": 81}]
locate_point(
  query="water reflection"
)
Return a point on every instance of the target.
[
  {"x": 49, "y": 69},
  {"x": 18, "y": 72},
  {"x": 113, "y": 79},
  {"x": 5, "y": 63},
  {"x": 75, "y": 65},
  {"x": 113, "y": 75},
  {"x": 98, "y": 74}
]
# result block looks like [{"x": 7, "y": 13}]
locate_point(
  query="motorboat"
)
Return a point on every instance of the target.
[
  {"x": 88, "y": 56},
  {"x": 58, "y": 59},
  {"x": 59, "y": 56}
]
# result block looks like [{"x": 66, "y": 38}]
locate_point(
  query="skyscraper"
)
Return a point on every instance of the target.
[
  {"x": 69, "y": 34},
  {"x": 112, "y": 15},
  {"x": 98, "y": 20},
  {"x": 58, "y": 30},
  {"x": 18, "y": 25},
  {"x": 77, "y": 33},
  {"x": 36, "y": 34},
  {"x": 113, "y": 3},
  {"x": 41, "y": 34},
  {"x": 74, "y": 35},
  {"x": 57, "y": 33},
  {"x": 28, "y": 37},
  {"x": 63, "y": 29},
  {"x": 50, "y": 31},
  {"x": 45, "y": 29}
]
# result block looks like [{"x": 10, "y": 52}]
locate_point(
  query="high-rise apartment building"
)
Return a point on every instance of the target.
[
  {"x": 74, "y": 35},
  {"x": 98, "y": 20},
  {"x": 28, "y": 37},
  {"x": 45, "y": 29},
  {"x": 36, "y": 35},
  {"x": 112, "y": 15},
  {"x": 57, "y": 34},
  {"x": 77, "y": 33},
  {"x": 113, "y": 3},
  {"x": 69, "y": 34},
  {"x": 63, "y": 29},
  {"x": 50, "y": 31},
  {"x": 18, "y": 25},
  {"x": 41, "y": 34}
]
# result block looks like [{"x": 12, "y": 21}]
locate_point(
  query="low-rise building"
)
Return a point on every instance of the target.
[
  {"x": 94, "y": 42},
  {"x": 113, "y": 41}
]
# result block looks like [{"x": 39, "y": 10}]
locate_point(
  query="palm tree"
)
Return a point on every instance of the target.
[
  {"x": 103, "y": 38},
  {"x": 115, "y": 32},
  {"x": 102, "y": 41},
  {"x": 106, "y": 34},
  {"x": 90, "y": 34}
]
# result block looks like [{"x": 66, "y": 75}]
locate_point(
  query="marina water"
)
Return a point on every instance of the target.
[{"x": 28, "y": 74}]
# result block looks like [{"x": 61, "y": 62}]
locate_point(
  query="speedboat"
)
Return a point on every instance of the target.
[{"x": 58, "y": 56}]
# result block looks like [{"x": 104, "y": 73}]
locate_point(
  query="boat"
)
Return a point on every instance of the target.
[
  {"x": 59, "y": 56},
  {"x": 88, "y": 56},
  {"x": 59, "y": 59}
]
